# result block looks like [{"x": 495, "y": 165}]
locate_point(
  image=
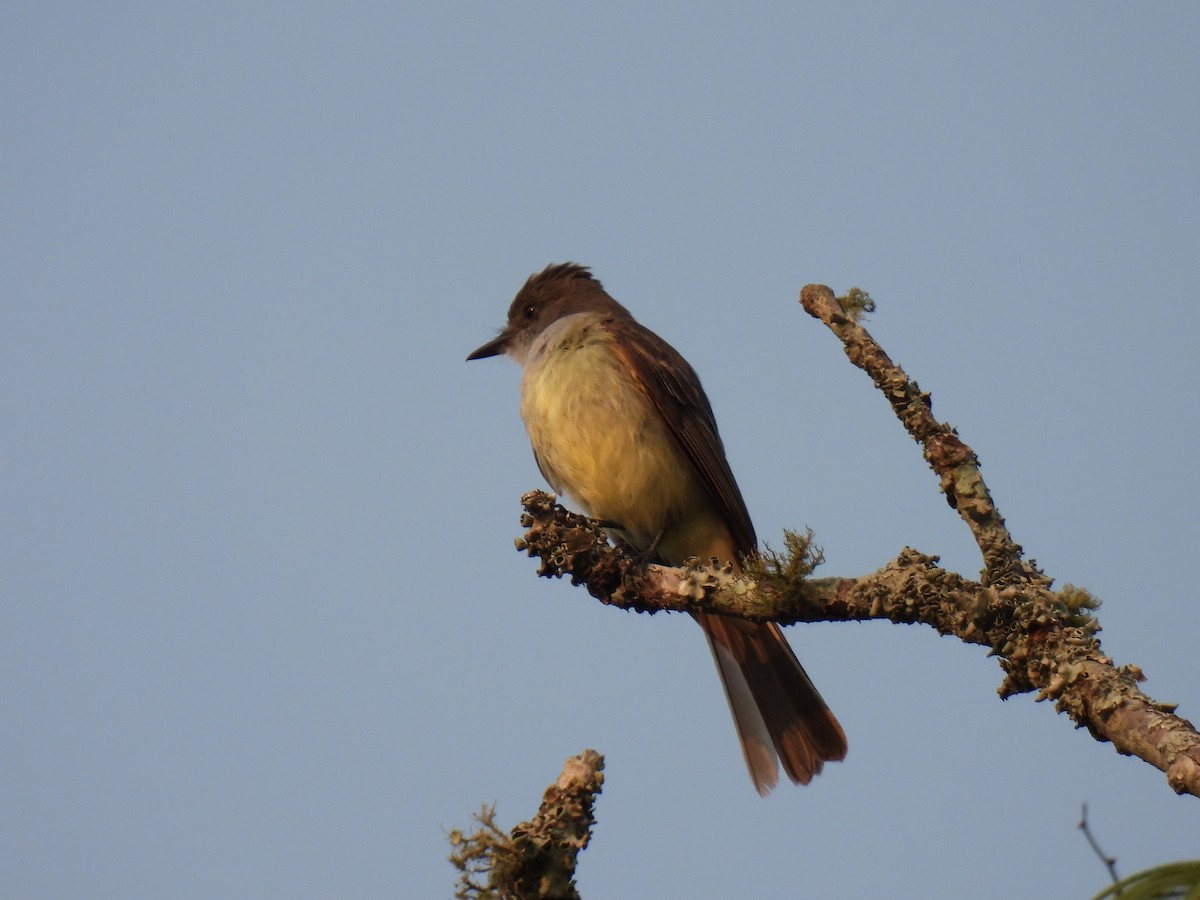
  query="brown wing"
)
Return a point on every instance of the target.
[
  {"x": 675, "y": 391},
  {"x": 776, "y": 708}
]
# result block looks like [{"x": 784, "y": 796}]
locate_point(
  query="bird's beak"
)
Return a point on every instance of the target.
[{"x": 494, "y": 347}]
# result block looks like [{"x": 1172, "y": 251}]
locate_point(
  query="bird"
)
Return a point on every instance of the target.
[{"x": 620, "y": 424}]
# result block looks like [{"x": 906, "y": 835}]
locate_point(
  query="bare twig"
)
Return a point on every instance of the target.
[{"x": 1110, "y": 862}]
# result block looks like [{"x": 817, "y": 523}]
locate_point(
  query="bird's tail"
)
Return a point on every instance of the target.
[{"x": 777, "y": 710}]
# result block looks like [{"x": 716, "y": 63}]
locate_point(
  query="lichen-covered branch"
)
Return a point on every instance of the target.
[
  {"x": 954, "y": 462},
  {"x": 1045, "y": 640},
  {"x": 1051, "y": 657},
  {"x": 537, "y": 858}
]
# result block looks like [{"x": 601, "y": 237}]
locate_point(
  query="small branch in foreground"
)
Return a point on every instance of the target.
[{"x": 537, "y": 860}]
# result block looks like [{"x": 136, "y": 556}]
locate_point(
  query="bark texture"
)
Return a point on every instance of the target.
[{"x": 537, "y": 858}]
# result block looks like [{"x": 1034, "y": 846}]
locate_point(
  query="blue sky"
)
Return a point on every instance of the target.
[{"x": 264, "y": 632}]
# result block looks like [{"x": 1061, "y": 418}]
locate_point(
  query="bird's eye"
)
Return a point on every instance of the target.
[{"x": 529, "y": 311}]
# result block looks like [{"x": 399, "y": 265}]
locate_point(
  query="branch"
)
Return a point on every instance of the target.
[
  {"x": 1104, "y": 699},
  {"x": 537, "y": 860},
  {"x": 954, "y": 462},
  {"x": 1110, "y": 862},
  {"x": 1045, "y": 640}
]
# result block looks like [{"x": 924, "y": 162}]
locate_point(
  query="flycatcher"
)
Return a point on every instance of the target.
[{"x": 620, "y": 424}]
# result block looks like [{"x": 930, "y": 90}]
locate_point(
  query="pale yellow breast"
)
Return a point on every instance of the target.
[{"x": 600, "y": 441}]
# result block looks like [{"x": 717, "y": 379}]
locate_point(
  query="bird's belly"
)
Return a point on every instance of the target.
[{"x": 599, "y": 439}]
